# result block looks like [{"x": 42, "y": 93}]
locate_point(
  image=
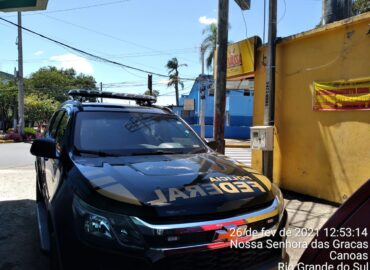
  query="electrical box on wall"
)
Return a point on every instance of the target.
[{"x": 262, "y": 138}]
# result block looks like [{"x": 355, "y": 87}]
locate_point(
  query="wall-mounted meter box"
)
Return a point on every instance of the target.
[{"x": 262, "y": 138}]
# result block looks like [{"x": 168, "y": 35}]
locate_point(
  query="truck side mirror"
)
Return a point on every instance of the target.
[
  {"x": 212, "y": 144},
  {"x": 44, "y": 147}
]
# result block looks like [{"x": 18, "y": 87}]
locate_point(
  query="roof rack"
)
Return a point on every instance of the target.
[{"x": 141, "y": 100}]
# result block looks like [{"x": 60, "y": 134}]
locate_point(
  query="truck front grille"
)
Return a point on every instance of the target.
[{"x": 198, "y": 238}]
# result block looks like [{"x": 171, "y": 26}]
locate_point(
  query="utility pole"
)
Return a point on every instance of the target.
[
  {"x": 270, "y": 85},
  {"x": 264, "y": 21},
  {"x": 335, "y": 10},
  {"x": 177, "y": 87},
  {"x": 150, "y": 84},
  {"x": 202, "y": 108},
  {"x": 202, "y": 52},
  {"x": 202, "y": 96},
  {"x": 20, "y": 78},
  {"x": 220, "y": 92},
  {"x": 101, "y": 91}
]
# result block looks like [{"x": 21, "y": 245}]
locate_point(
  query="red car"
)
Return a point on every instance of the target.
[{"x": 345, "y": 237}]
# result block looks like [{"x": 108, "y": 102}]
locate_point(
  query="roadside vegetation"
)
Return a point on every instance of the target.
[
  {"x": 360, "y": 6},
  {"x": 44, "y": 91},
  {"x": 155, "y": 93}
]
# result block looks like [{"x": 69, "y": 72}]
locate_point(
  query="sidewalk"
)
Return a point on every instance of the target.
[
  {"x": 305, "y": 215},
  {"x": 6, "y": 141},
  {"x": 234, "y": 143}
]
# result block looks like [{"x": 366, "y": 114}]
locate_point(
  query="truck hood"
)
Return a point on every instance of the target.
[{"x": 176, "y": 185}]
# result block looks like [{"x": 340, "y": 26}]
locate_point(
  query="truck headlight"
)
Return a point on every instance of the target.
[
  {"x": 98, "y": 226},
  {"x": 106, "y": 226}
]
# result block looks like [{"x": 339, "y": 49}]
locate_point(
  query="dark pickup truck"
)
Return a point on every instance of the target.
[{"x": 134, "y": 187}]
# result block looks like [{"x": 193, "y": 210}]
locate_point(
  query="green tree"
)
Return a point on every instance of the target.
[
  {"x": 39, "y": 109},
  {"x": 55, "y": 83},
  {"x": 84, "y": 82},
  {"x": 8, "y": 104},
  {"x": 69, "y": 72},
  {"x": 155, "y": 93},
  {"x": 174, "y": 78},
  {"x": 360, "y": 6},
  {"x": 209, "y": 43}
]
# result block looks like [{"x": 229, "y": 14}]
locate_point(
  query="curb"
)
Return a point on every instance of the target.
[
  {"x": 237, "y": 146},
  {"x": 6, "y": 141}
]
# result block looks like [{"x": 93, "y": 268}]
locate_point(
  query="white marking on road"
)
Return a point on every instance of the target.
[{"x": 243, "y": 155}]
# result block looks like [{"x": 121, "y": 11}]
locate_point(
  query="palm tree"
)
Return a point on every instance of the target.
[
  {"x": 209, "y": 43},
  {"x": 360, "y": 6},
  {"x": 173, "y": 74}
]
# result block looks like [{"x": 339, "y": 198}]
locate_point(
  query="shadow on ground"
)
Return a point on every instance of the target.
[
  {"x": 19, "y": 241},
  {"x": 306, "y": 215}
]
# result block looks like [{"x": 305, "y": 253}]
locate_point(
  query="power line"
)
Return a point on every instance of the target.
[
  {"x": 193, "y": 50},
  {"x": 171, "y": 93},
  {"x": 264, "y": 21},
  {"x": 153, "y": 51},
  {"x": 282, "y": 16},
  {"x": 85, "y": 7},
  {"x": 113, "y": 85},
  {"x": 94, "y": 31},
  {"x": 159, "y": 52},
  {"x": 245, "y": 24},
  {"x": 93, "y": 56},
  {"x": 34, "y": 60},
  {"x": 73, "y": 9}
]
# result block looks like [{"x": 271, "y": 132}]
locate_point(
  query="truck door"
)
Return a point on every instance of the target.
[{"x": 52, "y": 168}]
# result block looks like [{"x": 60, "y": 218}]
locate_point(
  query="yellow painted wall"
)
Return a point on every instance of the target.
[{"x": 322, "y": 154}]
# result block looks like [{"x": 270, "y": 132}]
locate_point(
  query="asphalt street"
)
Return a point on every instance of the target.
[
  {"x": 243, "y": 155},
  {"x": 19, "y": 243},
  {"x": 15, "y": 155}
]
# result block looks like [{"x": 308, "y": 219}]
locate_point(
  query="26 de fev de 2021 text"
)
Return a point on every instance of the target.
[{"x": 344, "y": 245}]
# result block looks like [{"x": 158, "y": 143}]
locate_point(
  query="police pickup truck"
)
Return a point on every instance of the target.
[{"x": 134, "y": 187}]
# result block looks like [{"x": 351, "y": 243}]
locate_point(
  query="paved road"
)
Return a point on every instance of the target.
[
  {"x": 242, "y": 155},
  {"x": 19, "y": 243},
  {"x": 14, "y": 155}
]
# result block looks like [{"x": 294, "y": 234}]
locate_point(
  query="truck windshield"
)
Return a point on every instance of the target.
[{"x": 132, "y": 133}]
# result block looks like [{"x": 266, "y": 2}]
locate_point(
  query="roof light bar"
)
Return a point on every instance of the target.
[{"x": 140, "y": 99}]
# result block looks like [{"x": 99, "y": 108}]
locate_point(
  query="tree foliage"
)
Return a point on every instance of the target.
[
  {"x": 360, "y": 6},
  {"x": 38, "y": 110},
  {"x": 174, "y": 77},
  {"x": 209, "y": 43},
  {"x": 155, "y": 93},
  {"x": 55, "y": 83},
  {"x": 8, "y": 104},
  {"x": 44, "y": 90}
]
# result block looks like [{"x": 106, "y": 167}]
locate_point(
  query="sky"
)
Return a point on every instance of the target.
[{"x": 141, "y": 33}]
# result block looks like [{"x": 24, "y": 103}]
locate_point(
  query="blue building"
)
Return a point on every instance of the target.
[{"x": 239, "y": 107}]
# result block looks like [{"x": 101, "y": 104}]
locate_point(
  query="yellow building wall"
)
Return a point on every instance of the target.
[{"x": 322, "y": 154}]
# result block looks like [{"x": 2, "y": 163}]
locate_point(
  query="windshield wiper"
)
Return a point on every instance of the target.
[
  {"x": 158, "y": 152},
  {"x": 96, "y": 152},
  {"x": 198, "y": 151}
]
